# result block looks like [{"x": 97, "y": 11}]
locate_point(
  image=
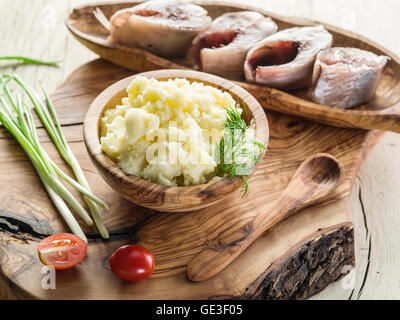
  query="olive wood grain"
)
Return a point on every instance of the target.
[
  {"x": 382, "y": 113},
  {"x": 152, "y": 195},
  {"x": 314, "y": 180},
  {"x": 295, "y": 259}
]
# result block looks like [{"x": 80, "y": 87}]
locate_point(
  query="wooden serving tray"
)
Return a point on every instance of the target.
[
  {"x": 382, "y": 113},
  {"x": 295, "y": 259}
]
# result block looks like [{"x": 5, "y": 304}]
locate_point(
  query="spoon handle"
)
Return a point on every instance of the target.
[
  {"x": 226, "y": 249},
  {"x": 300, "y": 193}
]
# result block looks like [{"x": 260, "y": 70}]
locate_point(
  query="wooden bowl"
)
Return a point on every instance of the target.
[
  {"x": 152, "y": 195},
  {"x": 383, "y": 112}
]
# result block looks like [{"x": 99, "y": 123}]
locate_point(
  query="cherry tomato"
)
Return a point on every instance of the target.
[
  {"x": 62, "y": 251},
  {"x": 132, "y": 262}
]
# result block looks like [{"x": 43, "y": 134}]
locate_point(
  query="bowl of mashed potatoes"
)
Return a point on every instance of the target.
[{"x": 154, "y": 136}]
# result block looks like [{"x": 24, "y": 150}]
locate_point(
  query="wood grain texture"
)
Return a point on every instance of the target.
[
  {"x": 152, "y": 195},
  {"x": 382, "y": 113},
  {"x": 312, "y": 183},
  {"x": 375, "y": 198},
  {"x": 175, "y": 238}
]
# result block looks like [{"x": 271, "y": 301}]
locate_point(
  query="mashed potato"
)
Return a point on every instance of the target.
[{"x": 166, "y": 131}]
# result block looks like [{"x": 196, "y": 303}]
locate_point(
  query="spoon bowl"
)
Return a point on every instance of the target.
[{"x": 322, "y": 170}]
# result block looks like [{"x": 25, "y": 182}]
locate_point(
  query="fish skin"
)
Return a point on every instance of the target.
[
  {"x": 239, "y": 31},
  {"x": 346, "y": 77},
  {"x": 166, "y": 28},
  {"x": 289, "y": 56}
]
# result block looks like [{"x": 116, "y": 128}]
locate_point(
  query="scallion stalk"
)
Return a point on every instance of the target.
[
  {"x": 63, "y": 209},
  {"x": 52, "y": 124},
  {"x": 18, "y": 120},
  {"x": 27, "y": 60},
  {"x": 39, "y": 159}
]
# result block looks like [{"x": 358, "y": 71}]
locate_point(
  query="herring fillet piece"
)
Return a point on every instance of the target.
[
  {"x": 223, "y": 47},
  {"x": 285, "y": 59},
  {"x": 346, "y": 77},
  {"x": 163, "y": 27}
]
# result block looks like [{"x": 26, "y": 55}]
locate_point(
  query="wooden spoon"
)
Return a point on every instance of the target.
[{"x": 315, "y": 179}]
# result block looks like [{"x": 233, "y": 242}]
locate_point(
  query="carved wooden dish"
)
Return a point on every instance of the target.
[
  {"x": 383, "y": 112},
  {"x": 156, "y": 196}
]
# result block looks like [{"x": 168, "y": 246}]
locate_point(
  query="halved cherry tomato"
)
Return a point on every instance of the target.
[
  {"x": 62, "y": 251},
  {"x": 132, "y": 262}
]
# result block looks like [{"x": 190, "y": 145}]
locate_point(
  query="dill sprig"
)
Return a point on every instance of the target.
[{"x": 235, "y": 153}]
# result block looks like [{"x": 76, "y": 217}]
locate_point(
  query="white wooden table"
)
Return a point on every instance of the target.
[{"x": 35, "y": 28}]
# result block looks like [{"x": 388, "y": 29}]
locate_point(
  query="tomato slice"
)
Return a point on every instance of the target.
[
  {"x": 62, "y": 251},
  {"x": 132, "y": 262}
]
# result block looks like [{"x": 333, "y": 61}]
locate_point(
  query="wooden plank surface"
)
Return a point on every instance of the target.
[
  {"x": 36, "y": 29},
  {"x": 295, "y": 259}
]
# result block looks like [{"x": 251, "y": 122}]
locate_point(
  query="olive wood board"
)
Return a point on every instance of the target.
[
  {"x": 382, "y": 113},
  {"x": 294, "y": 260}
]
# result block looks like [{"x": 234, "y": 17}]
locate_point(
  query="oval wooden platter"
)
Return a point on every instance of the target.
[
  {"x": 382, "y": 113},
  {"x": 295, "y": 259}
]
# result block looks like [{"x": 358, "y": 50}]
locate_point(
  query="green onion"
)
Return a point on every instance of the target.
[
  {"x": 31, "y": 61},
  {"x": 18, "y": 120},
  {"x": 18, "y": 127},
  {"x": 70, "y": 158}
]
